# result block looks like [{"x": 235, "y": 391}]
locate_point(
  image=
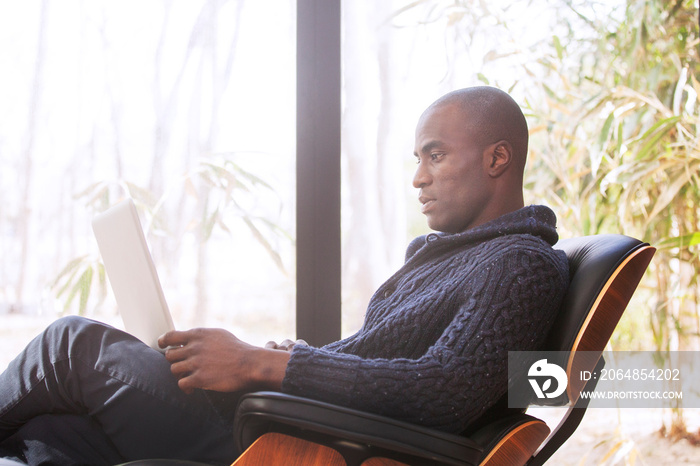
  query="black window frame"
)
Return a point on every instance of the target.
[{"x": 318, "y": 114}]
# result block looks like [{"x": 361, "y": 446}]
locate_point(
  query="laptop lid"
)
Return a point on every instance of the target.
[{"x": 131, "y": 273}]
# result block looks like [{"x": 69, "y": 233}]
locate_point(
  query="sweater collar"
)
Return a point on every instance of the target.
[{"x": 536, "y": 220}]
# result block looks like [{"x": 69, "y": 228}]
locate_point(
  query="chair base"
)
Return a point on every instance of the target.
[
  {"x": 518, "y": 446},
  {"x": 274, "y": 448}
]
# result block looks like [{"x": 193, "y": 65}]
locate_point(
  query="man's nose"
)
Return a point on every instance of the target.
[{"x": 421, "y": 177}]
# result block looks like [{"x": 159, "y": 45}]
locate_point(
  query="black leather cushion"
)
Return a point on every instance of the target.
[{"x": 354, "y": 434}]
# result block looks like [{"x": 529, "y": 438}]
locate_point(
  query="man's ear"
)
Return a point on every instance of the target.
[{"x": 498, "y": 157}]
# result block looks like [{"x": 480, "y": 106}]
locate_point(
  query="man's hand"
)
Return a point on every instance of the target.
[
  {"x": 214, "y": 359},
  {"x": 285, "y": 345}
]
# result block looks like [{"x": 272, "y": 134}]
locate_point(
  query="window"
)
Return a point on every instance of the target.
[{"x": 186, "y": 106}]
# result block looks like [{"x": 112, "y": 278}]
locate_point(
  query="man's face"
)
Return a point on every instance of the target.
[{"x": 451, "y": 176}]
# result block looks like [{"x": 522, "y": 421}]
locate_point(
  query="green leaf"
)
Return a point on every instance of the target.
[
  {"x": 602, "y": 139},
  {"x": 558, "y": 47},
  {"x": 653, "y": 136},
  {"x": 210, "y": 220},
  {"x": 669, "y": 193},
  {"x": 683, "y": 242},
  {"x": 85, "y": 285},
  {"x": 274, "y": 255},
  {"x": 142, "y": 195},
  {"x": 69, "y": 268}
]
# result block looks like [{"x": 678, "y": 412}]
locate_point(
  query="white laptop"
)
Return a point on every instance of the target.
[{"x": 131, "y": 273}]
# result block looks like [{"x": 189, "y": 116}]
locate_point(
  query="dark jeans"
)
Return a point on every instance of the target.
[{"x": 116, "y": 397}]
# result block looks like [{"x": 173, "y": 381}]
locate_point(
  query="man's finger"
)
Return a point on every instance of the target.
[
  {"x": 173, "y": 338},
  {"x": 286, "y": 344},
  {"x": 185, "y": 385},
  {"x": 175, "y": 353},
  {"x": 181, "y": 369}
]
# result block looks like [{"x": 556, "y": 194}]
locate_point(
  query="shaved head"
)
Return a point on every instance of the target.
[
  {"x": 471, "y": 146},
  {"x": 492, "y": 116}
]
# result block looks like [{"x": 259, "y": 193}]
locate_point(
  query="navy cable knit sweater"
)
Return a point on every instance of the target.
[{"x": 434, "y": 345}]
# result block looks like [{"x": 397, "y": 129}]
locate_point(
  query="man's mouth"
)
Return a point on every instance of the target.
[{"x": 427, "y": 203}]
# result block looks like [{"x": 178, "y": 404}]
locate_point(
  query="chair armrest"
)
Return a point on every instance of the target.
[{"x": 355, "y": 434}]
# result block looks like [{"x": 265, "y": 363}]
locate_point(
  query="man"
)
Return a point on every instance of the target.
[{"x": 432, "y": 349}]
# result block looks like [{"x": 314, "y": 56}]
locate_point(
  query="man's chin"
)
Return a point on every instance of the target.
[
  {"x": 445, "y": 227},
  {"x": 436, "y": 225}
]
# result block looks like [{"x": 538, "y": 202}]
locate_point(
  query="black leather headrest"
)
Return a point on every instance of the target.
[{"x": 592, "y": 261}]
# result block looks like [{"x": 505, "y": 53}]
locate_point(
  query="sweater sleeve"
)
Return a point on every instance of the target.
[{"x": 506, "y": 303}]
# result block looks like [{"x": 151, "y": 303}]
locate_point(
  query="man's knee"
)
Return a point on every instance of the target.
[
  {"x": 74, "y": 323},
  {"x": 69, "y": 322},
  {"x": 68, "y": 325},
  {"x": 69, "y": 329}
]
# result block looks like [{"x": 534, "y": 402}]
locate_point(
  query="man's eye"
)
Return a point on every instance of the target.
[{"x": 436, "y": 155}]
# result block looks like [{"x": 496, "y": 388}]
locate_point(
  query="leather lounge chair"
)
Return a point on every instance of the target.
[
  {"x": 278, "y": 429},
  {"x": 274, "y": 428}
]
